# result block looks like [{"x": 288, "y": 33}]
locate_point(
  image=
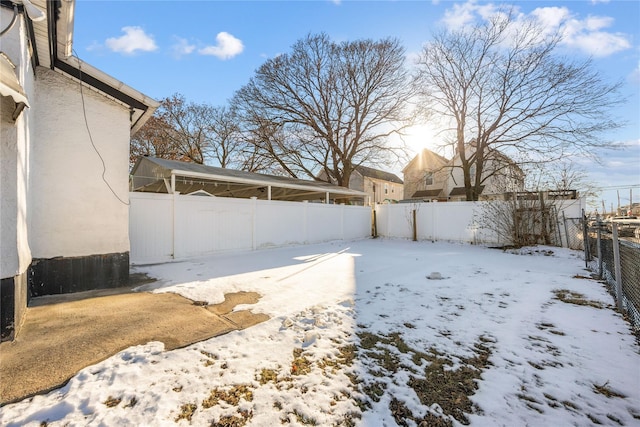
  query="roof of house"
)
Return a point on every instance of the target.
[
  {"x": 378, "y": 174},
  {"x": 426, "y": 193},
  {"x": 152, "y": 174},
  {"x": 427, "y": 158},
  {"x": 494, "y": 154},
  {"x": 52, "y": 43},
  {"x": 461, "y": 191}
]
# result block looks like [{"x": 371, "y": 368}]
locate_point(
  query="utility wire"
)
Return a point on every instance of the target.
[{"x": 86, "y": 122}]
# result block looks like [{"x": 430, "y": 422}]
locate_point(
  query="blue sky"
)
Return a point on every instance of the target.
[{"x": 206, "y": 50}]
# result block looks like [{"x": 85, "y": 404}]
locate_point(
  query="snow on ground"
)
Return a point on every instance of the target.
[{"x": 357, "y": 331}]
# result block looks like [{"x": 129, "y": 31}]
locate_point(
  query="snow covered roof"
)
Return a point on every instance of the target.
[{"x": 152, "y": 174}]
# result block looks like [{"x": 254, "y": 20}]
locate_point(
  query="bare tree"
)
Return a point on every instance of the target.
[
  {"x": 189, "y": 125},
  {"x": 225, "y": 145},
  {"x": 327, "y": 106},
  {"x": 502, "y": 86},
  {"x": 562, "y": 175},
  {"x": 151, "y": 140},
  {"x": 187, "y": 131}
]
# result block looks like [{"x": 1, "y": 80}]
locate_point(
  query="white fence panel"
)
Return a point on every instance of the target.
[
  {"x": 324, "y": 222},
  {"x": 279, "y": 223},
  {"x": 394, "y": 220},
  {"x": 457, "y": 222},
  {"x": 150, "y": 226},
  {"x": 205, "y": 225},
  {"x": 356, "y": 222},
  {"x": 164, "y": 227}
]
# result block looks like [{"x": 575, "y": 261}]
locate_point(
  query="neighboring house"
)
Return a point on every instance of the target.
[
  {"x": 425, "y": 176},
  {"x": 379, "y": 186},
  {"x": 429, "y": 176},
  {"x": 65, "y": 129},
  {"x": 500, "y": 175}
]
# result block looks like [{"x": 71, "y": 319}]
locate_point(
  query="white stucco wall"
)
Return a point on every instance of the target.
[
  {"x": 15, "y": 255},
  {"x": 72, "y": 210}
]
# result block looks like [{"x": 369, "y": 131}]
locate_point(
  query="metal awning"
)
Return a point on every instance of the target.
[
  {"x": 10, "y": 86},
  {"x": 151, "y": 174}
]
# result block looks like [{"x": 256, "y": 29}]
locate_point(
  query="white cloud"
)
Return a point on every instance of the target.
[
  {"x": 95, "y": 46},
  {"x": 460, "y": 15},
  {"x": 599, "y": 1},
  {"x": 467, "y": 13},
  {"x": 228, "y": 46},
  {"x": 634, "y": 77},
  {"x": 134, "y": 40},
  {"x": 182, "y": 47},
  {"x": 588, "y": 35},
  {"x": 551, "y": 17},
  {"x": 599, "y": 43}
]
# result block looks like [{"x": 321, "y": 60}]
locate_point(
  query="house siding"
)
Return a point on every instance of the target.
[
  {"x": 360, "y": 182},
  {"x": 15, "y": 255},
  {"x": 73, "y": 210},
  {"x": 448, "y": 175},
  {"x": 496, "y": 184},
  {"x": 79, "y": 234},
  {"x": 415, "y": 173}
]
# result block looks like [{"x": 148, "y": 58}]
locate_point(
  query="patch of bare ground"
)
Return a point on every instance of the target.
[
  {"x": 576, "y": 298},
  {"x": 442, "y": 383},
  {"x": 233, "y": 420},
  {"x": 233, "y": 397},
  {"x": 607, "y": 391}
]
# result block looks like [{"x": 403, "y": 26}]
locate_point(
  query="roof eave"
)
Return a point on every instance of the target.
[{"x": 60, "y": 33}]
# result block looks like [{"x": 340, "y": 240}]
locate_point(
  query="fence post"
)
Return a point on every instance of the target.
[
  {"x": 618, "y": 272},
  {"x": 566, "y": 231},
  {"x": 173, "y": 222},
  {"x": 375, "y": 221},
  {"x": 415, "y": 226},
  {"x": 599, "y": 249},
  {"x": 342, "y": 205},
  {"x": 545, "y": 218},
  {"x": 585, "y": 240},
  {"x": 254, "y": 209},
  {"x": 306, "y": 221}
]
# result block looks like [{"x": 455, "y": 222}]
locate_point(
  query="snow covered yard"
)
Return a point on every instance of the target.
[{"x": 374, "y": 333}]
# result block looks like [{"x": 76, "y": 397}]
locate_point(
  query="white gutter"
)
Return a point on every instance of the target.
[
  {"x": 90, "y": 70},
  {"x": 65, "y": 29}
]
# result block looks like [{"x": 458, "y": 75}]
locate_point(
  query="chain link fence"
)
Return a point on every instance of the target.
[
  {"x": 573, "y": 232},
  {"x": 617, "y": 261}
]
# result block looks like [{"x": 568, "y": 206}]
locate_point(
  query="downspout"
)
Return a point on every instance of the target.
[
  {"x": 32, "y": 41},
  {"x": 52, "y": 25}
]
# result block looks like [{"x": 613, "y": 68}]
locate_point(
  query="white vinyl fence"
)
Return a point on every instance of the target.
[
  {"x": 457, "y": 221},
  {"x": 163, "y": 227}
]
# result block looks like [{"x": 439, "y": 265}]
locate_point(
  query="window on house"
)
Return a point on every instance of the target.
[
  {"x": 386, "y": 189},
  {"x": 428, "y": 178}
]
